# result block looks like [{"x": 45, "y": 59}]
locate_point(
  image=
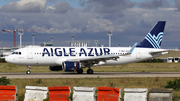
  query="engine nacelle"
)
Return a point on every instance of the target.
[
  {"x": 55, "y": 68},
  {"x": 71, "y": 66}
]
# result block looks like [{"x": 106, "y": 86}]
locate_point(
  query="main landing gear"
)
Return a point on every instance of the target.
[
  {"x": 89, "y": 71},
  {"x": 80, "y": 71},
  {"x": 28, "y": 71}
]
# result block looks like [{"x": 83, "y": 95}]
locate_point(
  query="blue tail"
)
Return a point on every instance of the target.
[{"x": 154, "y": 38}]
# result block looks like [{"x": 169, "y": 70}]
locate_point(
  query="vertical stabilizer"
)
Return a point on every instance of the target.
[{"x": 154, "y": 38}]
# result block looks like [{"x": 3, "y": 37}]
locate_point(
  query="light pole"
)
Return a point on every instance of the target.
[
  {"x": 110, "y": 34},
  {"x": 20, "y": 33},
  {"x": 72, "y": 43},
  {"x": 33, "y": 34},
  {"x": 119, "y": 45},
  {"x": 52, "y": 39},
  {"x": 96, "y": 42},
  {"x": 72, "y": 38}
]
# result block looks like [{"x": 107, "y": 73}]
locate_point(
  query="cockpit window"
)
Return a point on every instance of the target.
[{"x": 18, "y": 53}]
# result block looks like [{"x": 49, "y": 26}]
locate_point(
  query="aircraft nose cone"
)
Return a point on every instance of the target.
[{"x": 8, "y": 59}]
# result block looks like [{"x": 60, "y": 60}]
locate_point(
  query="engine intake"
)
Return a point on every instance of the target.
[{"x": 55, "y": 68}]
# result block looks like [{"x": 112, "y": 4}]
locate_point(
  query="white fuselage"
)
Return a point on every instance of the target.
[{"x": 54, "y": 56}]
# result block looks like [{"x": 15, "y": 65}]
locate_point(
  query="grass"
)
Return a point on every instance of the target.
[
  {"x": 149, "y": 82},
  {"x": 134, "y": 67}
]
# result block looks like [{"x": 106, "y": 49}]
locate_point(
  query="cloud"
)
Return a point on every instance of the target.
[
  {"x": 56, "y": 28},
  {"x": 62, "y": 7},
  {"x": 144, "y": 24},
  {"x": 50, "y": 8},
  {"x": 152, "y": 4},
  {"x": 13, "y": 20},
  {"x": 106, "y": 6},
  {"x": 177, "y": 3},
  {"x": 21, "y": 22},
  {"x": 129, "y": 23},
  {"x": 98, "y": 25},
  {"x": 25, "y": 6}
]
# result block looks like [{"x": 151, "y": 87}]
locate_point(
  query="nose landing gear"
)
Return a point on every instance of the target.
[{"x": 28, "y": 71}]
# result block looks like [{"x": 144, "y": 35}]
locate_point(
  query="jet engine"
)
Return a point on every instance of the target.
[
  {"x": 55, "y": 68},
  {"x": 71, "y": 66}
]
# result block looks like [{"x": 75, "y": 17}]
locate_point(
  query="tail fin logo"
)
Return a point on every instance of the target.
[{"x": 154, "y": 40}]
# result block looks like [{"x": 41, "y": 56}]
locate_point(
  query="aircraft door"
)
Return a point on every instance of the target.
[
  {"x": 29, "y": 54},
  {"x": 138, "y": 54}
]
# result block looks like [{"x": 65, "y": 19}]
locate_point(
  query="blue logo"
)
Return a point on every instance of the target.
[
  {"x": 75, "y": 52},
  {"x": 155, "y": 40}
]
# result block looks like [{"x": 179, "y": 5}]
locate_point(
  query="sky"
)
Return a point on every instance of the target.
[{"x": 89, "y": 20}]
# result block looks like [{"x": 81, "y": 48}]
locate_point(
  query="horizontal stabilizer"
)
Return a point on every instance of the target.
[{"x": 159, "y": 53}]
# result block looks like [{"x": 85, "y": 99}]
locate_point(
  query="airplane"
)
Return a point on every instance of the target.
[{"x": 71, "y": 59}]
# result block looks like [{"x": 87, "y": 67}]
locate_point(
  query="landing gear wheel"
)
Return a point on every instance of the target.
[
  {"x": 80, "y": 71},
  {"x": 28, "y": 72},
  {"x": 89, "y": 71}
]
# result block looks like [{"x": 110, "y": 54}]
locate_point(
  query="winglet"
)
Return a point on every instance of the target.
[{"x": 132, "y": 49}]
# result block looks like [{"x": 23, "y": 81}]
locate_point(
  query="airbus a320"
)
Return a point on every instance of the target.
[{"x": 77, "y": 58}]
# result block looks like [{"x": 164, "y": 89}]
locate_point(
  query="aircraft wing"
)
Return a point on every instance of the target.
[
  {"x": 94, "y": 60},
  {"x": 89, "y": 61}
]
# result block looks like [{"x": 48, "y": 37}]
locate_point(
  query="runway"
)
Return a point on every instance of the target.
[{"x": 95, "y": 75}]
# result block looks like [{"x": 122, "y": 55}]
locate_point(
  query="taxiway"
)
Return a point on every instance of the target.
[{"x": 95, "y": 75}]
